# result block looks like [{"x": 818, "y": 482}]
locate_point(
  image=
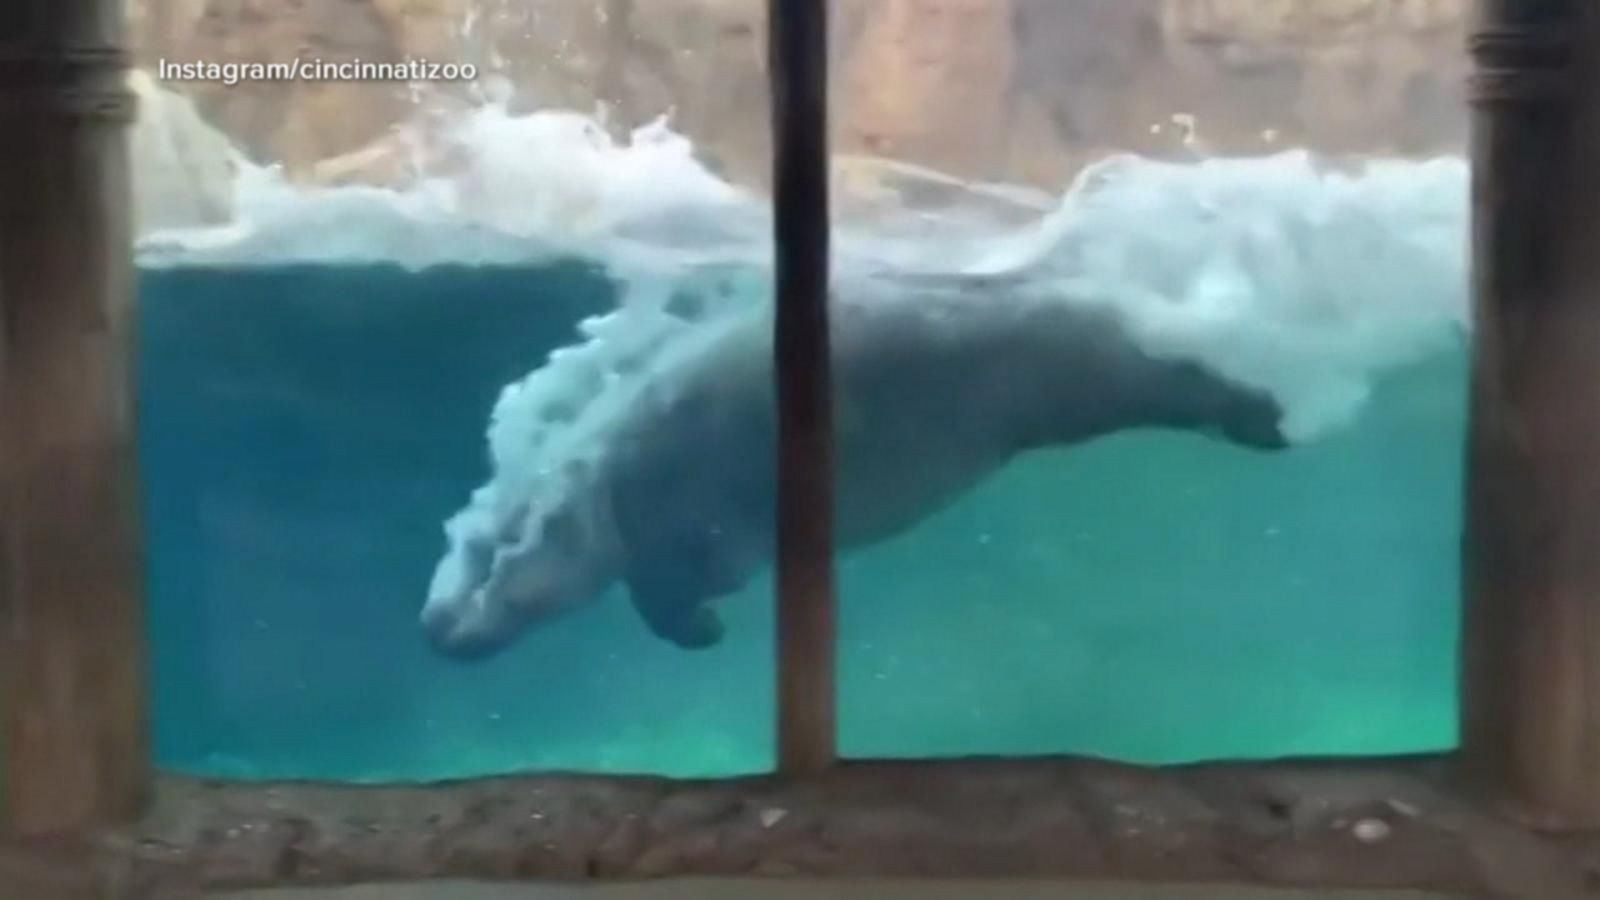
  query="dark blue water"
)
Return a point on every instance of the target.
[{"x": 305, "y": 432}]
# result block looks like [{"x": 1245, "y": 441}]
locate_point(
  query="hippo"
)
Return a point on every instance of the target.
[{"x": 670, "y": 488}]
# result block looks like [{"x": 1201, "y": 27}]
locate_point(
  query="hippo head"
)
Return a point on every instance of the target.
[{"x": 507, "y": 570}]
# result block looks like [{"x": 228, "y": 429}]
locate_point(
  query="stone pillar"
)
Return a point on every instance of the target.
[
  {"x": 72, "y": 712},
  {"x": 1531, "y": 646}
]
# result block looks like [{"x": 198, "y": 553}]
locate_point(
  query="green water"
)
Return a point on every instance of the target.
[
  {"x": 1152, "y": 597},
  {"x": 1166, "y": 598}
]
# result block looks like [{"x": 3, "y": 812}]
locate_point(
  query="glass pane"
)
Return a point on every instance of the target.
[
  {"x": 1102, "y": 257},
  {"x": 342, "y": 272}
]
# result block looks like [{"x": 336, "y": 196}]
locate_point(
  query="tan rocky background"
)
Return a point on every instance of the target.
[{"x": 1021, "y": 90}]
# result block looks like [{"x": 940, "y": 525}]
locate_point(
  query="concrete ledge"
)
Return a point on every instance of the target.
[
  {"x": 1390, "y": 824},
  {"x": 803, "y": 889},
  {"x": 47, "y": 870}
]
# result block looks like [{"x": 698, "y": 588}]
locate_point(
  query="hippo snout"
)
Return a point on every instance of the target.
[{"x": 456, "y": 639}]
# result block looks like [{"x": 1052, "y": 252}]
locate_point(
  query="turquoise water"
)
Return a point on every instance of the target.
[
  {"x": 1163, "y": 598},
  {"x": 1154, "y": 597}
]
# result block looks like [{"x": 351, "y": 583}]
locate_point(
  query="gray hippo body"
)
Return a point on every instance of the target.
[{"x": 938, "y": 386}]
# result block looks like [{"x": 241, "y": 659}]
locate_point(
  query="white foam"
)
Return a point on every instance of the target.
[
  {"x": 495, "y": 188},
  {"x": 1308, "y": 282},
  {"x": 549, "y": 432},
  {"x": 1276, "y": 270}
]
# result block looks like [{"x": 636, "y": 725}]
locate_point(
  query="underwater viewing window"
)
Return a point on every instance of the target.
[
  {"x": 526, "y": 494},
  {"x": 459, "y": 456},
  {"x": 1181, "y": 482}
]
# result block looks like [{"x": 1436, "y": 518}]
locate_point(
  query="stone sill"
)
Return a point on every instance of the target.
[
  {"x": 1377, "y": 824},
  {"x": 804, "y": 889}
]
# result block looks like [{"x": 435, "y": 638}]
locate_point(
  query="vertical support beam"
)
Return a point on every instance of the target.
[
  {"x": 798, "y": 67},
  {"x": 72, "y": 718},
  {"x": 1531, "y": 646}
]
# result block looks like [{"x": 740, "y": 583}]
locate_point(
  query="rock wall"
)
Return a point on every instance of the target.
[
  {"x": 1002, "y": 89},
  {"x": 184, "y": 166}
]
